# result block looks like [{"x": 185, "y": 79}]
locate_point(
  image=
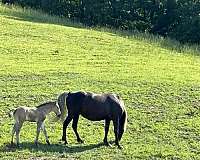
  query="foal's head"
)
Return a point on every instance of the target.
[{"x": 56, "y": 109}]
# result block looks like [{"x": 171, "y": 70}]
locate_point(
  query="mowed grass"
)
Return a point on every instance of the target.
[{"x": 42, "y": 56}]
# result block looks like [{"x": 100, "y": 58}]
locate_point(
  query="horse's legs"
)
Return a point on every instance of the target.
[
  {"x": 39, "y": 124},
  {"x": 17, "y": 129},
  {"x": 45, "y": 133},
  {"x": 74, "y": 126},
  {"x": 107, "y": 124},
  {"x": 116, "y": 131},
  {"x": 65, "y": 124},
  {"x": 13, "y": 132}
]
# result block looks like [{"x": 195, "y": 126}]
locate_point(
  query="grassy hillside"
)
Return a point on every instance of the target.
[{"x": 159, "y": 80}]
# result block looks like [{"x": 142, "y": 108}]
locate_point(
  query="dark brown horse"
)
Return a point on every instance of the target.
[{"x": 94, "y": 107}]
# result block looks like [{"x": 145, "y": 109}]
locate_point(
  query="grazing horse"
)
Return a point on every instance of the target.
[
  {"x": 36, "y": 114},
  {"x": 94, "y": 107}
]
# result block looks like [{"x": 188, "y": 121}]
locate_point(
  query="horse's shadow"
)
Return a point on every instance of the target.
[{"x": 60, "y": 148}]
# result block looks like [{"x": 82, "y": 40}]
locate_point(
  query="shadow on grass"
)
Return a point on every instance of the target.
[{"x": 60, "y": 148}]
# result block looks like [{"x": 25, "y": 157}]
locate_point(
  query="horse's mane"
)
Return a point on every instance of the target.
[{"x": 41, "y": 105}]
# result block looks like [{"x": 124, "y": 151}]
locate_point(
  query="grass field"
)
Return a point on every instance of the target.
[{"x": 158, "y": 79}]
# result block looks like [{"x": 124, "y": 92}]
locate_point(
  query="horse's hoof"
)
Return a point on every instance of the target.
[
  {"x": 119, "y": 147},
  {"x": 64, "y": 139},
  {"x": 80, "y": 141},
  {"x": 48, "y": 142},
  {"x": 107, "y": 144}
]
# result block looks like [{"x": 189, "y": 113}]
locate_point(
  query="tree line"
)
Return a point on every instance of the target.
[{"x": 178, "y": 19}]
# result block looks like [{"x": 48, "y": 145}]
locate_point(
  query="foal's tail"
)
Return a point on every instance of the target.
[
  {"x": 11, "y": 113},
  {"x": 62, "y": 105}
]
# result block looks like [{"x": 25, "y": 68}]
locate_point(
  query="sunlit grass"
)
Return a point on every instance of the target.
[{"x": 41, "y": 56}]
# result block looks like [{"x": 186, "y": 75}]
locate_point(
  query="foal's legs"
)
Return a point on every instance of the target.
[
  {"x": 39, "y": 124},
  {"x": 17, "y": 129},
  {"x": 65, "y": 124},
  {"x": 107, "y": 124},
  {"x": 45, "y": 133},
  {"x": 13, "y": 132},
  {"x": 116, "y": 131},
  {"x": 74, "y": 126}
]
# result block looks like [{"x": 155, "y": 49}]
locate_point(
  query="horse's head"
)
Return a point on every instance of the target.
[{"x": 56, "y": 110}]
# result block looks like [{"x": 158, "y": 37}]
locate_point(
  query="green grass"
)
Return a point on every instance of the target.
[{"x": 159, "y": 79}]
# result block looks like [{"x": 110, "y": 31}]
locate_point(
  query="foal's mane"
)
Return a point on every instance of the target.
[{"x": 46, "y": 103}]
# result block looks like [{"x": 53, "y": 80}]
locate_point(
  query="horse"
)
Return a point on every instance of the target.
[
  {"x": 37, "y": 114},
  {"x": 94, "y": 107}
]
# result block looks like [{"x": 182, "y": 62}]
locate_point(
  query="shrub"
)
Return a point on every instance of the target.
[{"x": 175, "y": 18}]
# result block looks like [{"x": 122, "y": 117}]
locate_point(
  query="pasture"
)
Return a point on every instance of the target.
[{"x": 159, "y": 80}]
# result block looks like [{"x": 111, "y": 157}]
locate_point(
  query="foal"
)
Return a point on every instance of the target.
[{"x": 36, "y": 114}]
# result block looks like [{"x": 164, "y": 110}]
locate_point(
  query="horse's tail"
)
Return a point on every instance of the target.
[
  {"x": 62, "y": 105},
  {"x": 122, "y": 120}
]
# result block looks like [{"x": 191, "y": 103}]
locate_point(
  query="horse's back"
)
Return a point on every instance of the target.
[
  {"x": 20, "y": 110},
  {"x": 94, "y": 106},
  {"x": 23, "y": 113}
]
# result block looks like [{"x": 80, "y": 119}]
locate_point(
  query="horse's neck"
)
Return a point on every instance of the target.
[{"x": 45, "y": 109}]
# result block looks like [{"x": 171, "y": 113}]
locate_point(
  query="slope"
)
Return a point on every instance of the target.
[{"x": 41, "y": 56}]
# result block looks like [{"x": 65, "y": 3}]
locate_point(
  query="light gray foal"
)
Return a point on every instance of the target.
[{"x": 37, "y": 114}]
